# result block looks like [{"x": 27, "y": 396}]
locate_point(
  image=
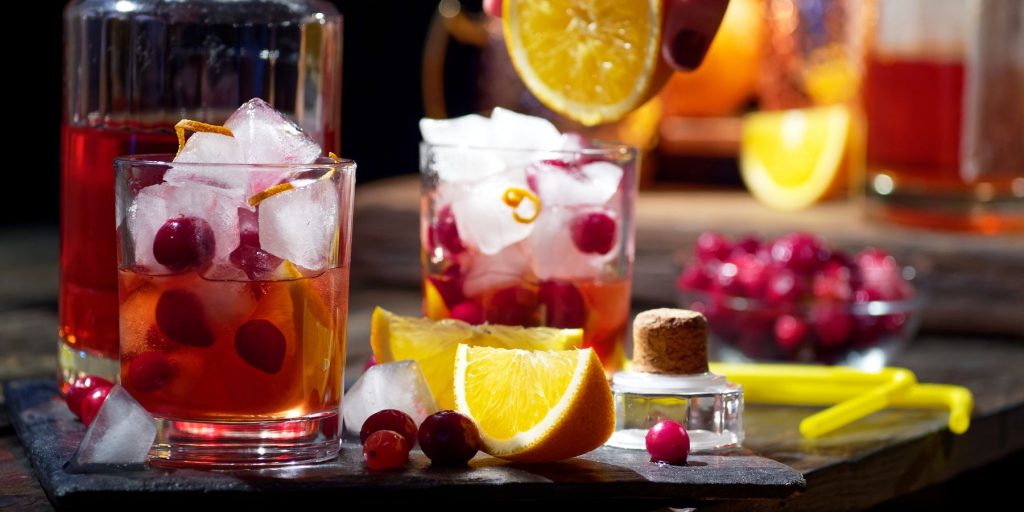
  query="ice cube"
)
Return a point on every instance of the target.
[
  {"x": 268, "y": 137},
  {"x": 299, "y": 224},
  {"x": 561, "y": 184},
  {"x": 482, "y": 272},
  {"x": 514, "y": 130},
  {"x": 472, "y": 130},
  {"x": 399, "y": 385},
  {"x": 155, "y": 204},
  {"x": 121, "y": 433},
  {"x": 555, "y": 255},
  {"x": 484, "y": 220},
  {"x": 463, "y": 165},
  {"x": 260, "y": 135}
]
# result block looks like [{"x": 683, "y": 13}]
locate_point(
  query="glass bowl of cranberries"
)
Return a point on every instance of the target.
[{"x": 797, "y": 299}]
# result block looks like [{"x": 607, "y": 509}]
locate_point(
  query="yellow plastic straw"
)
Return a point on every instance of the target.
[
  {"x": 819, "y": 385},
  {"x": 853, "y": 409}
]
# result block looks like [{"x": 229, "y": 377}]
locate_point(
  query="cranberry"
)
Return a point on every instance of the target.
[
  {"x": 447, "y": 232},
  {"x": 790, "y": 332},
  {"x": 255, "y": 262},
  {"x": 726, "y": 280},
  {"x": 831, "y": 323},
  {"x": 799, "y": 252},
  {"x": 713, "y": 246},
  {"x": 749, "y": 244},
  {"x": 149, "y": 372},
  {"x": 833, "y": 282},
  {"x": 390, "y": 419},
  {"x": 784, "y": 287},
  {"x": 385, "y": 449},
  {"x": 563, "y": 303},
  {"x": 80, "y": 388},
  {"x": 449, "y": 438},
  {"x": 449, "y": 285},
  {"x": 593, "y": 232},
  {"x": 470, "y": 312},
  {"x": 512, "y": 306},
  {"x": 882, "y": 276},
  {"x": 695, "y": 277},
  {"x": 668, "y": 442},
  {"x": 180, "y": 316},
  {"x": 493, "y": 7},
  {"x": 750, "y": 275},
  {"x": 92, "y": 402},
  {"x": 184, "y": 242},
  {"x": 261, "y": 344}
]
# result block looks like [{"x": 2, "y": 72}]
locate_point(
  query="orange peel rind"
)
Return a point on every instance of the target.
[
  {"x": 514, "y": 197},
  {"x": 197, "y": 127}
]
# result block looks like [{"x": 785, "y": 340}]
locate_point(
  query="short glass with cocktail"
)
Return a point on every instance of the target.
[
  {"x": 522, "y": 225},
  {"x": 233, "y": 285}
]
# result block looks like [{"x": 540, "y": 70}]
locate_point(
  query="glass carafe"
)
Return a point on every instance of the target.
[
  {"x": 944, "y": 97},
  {"x": 132, "y": 69}
]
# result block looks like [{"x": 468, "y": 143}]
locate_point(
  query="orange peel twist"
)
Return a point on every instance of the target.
[
  {"x": 197, "y": 127},
  {"x": 514, "y": 196}
]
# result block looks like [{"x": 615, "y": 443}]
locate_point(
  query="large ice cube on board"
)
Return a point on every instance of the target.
[
  {"x": 121, "y": 433},
  {"x": 399, "y": 385}
]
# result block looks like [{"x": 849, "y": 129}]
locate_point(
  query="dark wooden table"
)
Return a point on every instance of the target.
[{"x": 892, "y": 455}]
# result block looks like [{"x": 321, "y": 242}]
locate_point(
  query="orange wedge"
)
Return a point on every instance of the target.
[
  {"x": 432, "y": 344},
  {"x": 792, "y": 159},
  {"x": 535, "y": 406},
  {"x": 593, "y": 61}
]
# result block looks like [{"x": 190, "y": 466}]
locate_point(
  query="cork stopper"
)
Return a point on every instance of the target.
[{"x": 670, "y": 341}]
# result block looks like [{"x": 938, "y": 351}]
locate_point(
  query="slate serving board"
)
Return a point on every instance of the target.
[{"x": 626, "y": 478}]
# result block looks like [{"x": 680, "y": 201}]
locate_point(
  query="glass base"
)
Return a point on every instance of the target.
[
  {"x": 75, "y": 362},
  {"x": 230, "y": 445},
  {"x": 982, "y": 208}
]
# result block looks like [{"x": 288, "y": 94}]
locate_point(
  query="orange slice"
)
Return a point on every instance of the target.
[
  {"x": 592, "y": 60},
  {"x": 791, "y": 159},
  {"x": 432, "y": 344},
  {"x": 535, "y": 406}
]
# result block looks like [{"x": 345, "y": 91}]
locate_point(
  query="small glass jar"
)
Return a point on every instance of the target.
[{"x": 708, "y": 405}]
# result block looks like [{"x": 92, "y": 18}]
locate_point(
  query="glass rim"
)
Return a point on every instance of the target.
[
  {"x": 604, "y": 148},
  {"x": 166, "y": 159}
]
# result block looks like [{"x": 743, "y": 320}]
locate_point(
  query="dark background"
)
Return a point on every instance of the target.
[{"x": 381, "y": 96}]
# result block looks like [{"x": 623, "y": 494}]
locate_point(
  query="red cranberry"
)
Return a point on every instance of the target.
[
  {"x": 385, "y": 449},
  {"x": 261, "y": 344},
  {"x": 799, "y": 252},
  {"x": 493, "y": 7},
  {"x": 447, "y": 232},
  {"x": 790, "y": 332},
  {"x": 695, "y": 277},
  {"x": 593, "y": 232},
  {"x": 882, "y": 277},
  {"x": 80, "y": 388},
  {"x": 184, "y": 242},
  {"x": 750, "y": 274},
  {"x": 563, "y": 303},
  {"x": 149, "y": 372},
  {"x": 512, "y": 306},
  {"x": 749, "y": 244},
  {"x": 713, "y": 246},
  {"x": 449, "y": 438},
  {"x": 831, "y": 323},
  {"x": 255, "y": 262},
  {"x": 449, "y": 285},
  {"x": 470, "y": 312},
  {"x": 784, "y": 287},
  {"x": 180, "y": 316},
  {"x": 390, "y": 419},
  {"x": 833, "y": 282},
  {"x": 668, "y": 442},
  {"x": 370, "y": 363},
  {"x": 92, "y": 402}
]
